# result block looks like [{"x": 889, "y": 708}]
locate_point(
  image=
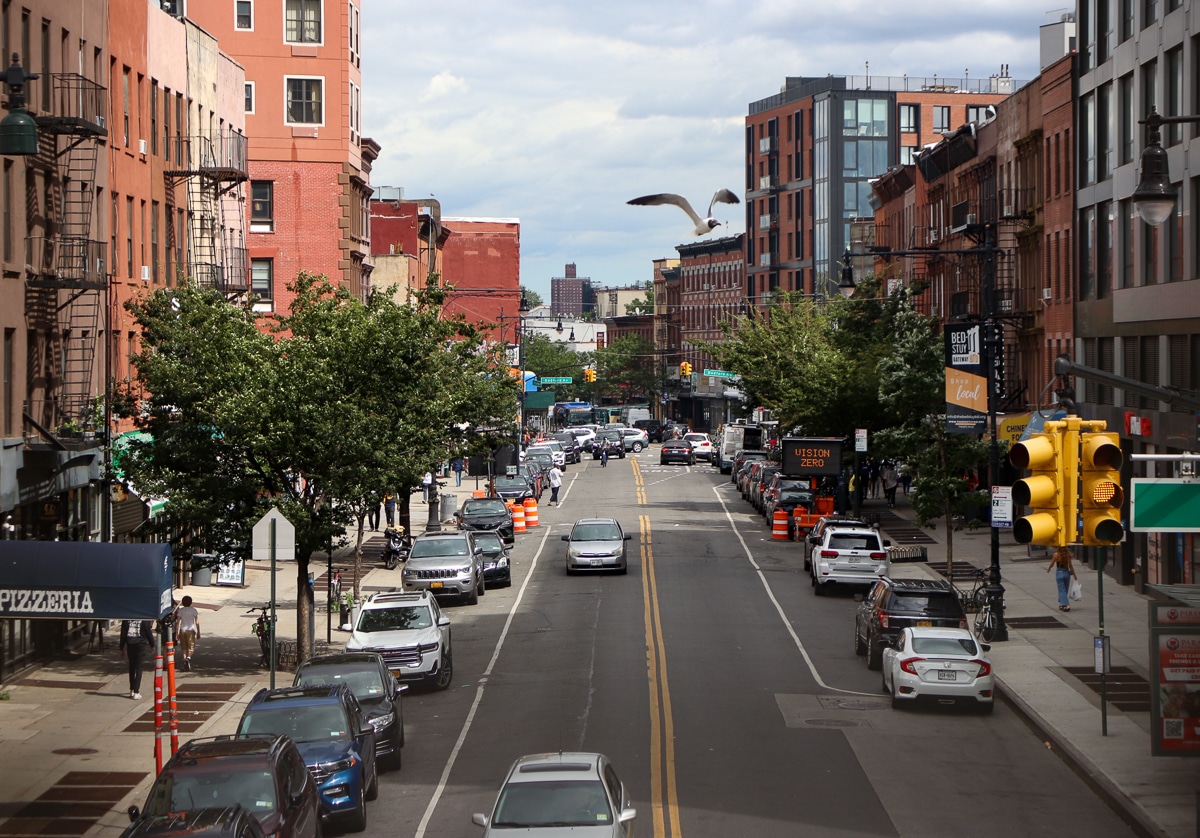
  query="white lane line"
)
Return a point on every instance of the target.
[
  {"x": 812, "y": 667},
  {"x": 462, "y": 735}
]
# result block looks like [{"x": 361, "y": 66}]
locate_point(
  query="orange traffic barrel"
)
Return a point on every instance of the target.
[
  {"x": 479, "y": 493},
  {"x": 779, "y": 525},
  {"x": 531, "y": 518},
  {"x": 518, "y": 513}
]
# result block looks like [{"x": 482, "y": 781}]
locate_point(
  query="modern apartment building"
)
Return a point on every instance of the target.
[
  {"x": 572, "y": 295},
  {"x": 309, "y": 163},
  {"x": 1137, "y": 306},
  {"x": 811, "y": 151}
]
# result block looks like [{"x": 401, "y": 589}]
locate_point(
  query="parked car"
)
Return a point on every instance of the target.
[
  {"x": 762, "y": 477},
  {"x": 264, "y": 775},
  {"x": 938, "y": 663},
  {"x": 677, "y": 451},
  {"x": 612, "y": 439},
  {"x": 216, "y": 822},
  {"x": 570, "y": 444},
  {"x": 541, "y": 460},
  {"x": 893, "y": 605},
  {"x": 634, "y": 439},
  {"x": 496, "y": 561},
  {"x": 702, "y": 445},
  {"x": 652, "y": 427},
  {"x": 555, "y": 451},
  {"x": 445, "y": 564},
  {"x": 411, "y": 634},
  {"x": 513, "y": 488},
  {"x": 559, "y": 794},
  {"x": 336, "y": 741},
  {"x": 534, "y": 477},
  {"x": 817, "y": 535},
  {"x": 740, "y": 459},
  {"x": 596, "y": 544},
  {"x": 787, "y": 493},
  {"x": 377, "y": 690},
  {"x": 486, "y": 514},
  {"x": 849, "y": 557}
]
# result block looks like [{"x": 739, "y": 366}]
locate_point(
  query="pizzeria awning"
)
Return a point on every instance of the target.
[{"x": 84, "y": 580}]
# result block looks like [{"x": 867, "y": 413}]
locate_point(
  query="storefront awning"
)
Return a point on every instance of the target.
[{"x": 84, "y": 580}]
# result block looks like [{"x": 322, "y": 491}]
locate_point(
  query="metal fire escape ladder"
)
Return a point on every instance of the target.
[{"x": 70, "y": 273}]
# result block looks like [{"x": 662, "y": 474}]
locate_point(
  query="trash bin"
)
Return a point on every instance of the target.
[
  {"x": 201, "y": 575},
  {"x": 449, "y": 505}
]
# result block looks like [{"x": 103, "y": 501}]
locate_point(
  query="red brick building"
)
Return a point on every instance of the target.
[{"x": 482, "y": 260}]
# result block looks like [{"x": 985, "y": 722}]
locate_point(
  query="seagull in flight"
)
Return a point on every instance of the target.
[{"x": 704, "y": 226}]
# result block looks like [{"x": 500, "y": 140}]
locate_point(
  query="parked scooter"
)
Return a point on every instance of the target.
[{"x": 397, "y": 547}]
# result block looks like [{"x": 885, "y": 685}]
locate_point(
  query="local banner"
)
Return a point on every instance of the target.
[{"x": 966, "y": 379}]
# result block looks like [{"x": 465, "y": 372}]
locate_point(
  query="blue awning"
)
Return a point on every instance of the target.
[{"x": 84, "y": 580}]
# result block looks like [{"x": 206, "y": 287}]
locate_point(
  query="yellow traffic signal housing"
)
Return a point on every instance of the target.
[
  {"x": 589, "y": 375},
  {"x": 1047, "y": 492},
  {"x": 685, "y": 369},
  {"x": 1101, "y": 495}
]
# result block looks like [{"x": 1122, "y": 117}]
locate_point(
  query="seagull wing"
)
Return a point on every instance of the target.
[
  {"x": 723, "y": 196},
  {"x": 668, "y": 198}
]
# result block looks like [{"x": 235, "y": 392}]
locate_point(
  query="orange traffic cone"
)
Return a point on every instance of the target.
[
  {"x": 779, "y": 525},
  {"x": 518, "y": 513},
  {"x": 531, "y": 514}
]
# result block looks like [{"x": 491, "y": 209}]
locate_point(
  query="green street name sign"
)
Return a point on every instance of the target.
[
  {"x": 1164, "y": 505},
  {"x": 555, "y": 380},
  {"x": 719, "y": 373}
]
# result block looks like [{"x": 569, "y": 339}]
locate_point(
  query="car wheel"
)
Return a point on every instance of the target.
[
  {"x": 988, "y": 708},
  {"x": 570, "y": 570},
  {"x": 482, "y": 589},
  {"x": 883, "y": 682},
  {"x": 473, "y": 597},
  {"x": 874, "y": 656},
  {"x": 860, "y": 648},
  {"x": 445, "y": 673},
  {"x": 356, "y": 819},
  {"x": 896, "y": 701},
  {"x": 818, "y": 588},
  {"x": 373, "y": 788},
  {"x": 623, "y": 569},
  {"x": 637, "y": 448},
  {"x": 395, "y": 758},
  {"x": 662, "y": 462}
]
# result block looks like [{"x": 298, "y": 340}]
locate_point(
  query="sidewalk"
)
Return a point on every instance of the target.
[{"x": 1041, "y": 670}]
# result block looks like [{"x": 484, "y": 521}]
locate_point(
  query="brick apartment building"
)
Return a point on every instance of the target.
[{"x": 572, "y": 295}]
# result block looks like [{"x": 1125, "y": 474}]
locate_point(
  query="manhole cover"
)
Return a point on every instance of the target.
[
  {"x": 74, "y": 752},
  {"x": 831, "y": 723},
  {"x": 833, "y": 702}
]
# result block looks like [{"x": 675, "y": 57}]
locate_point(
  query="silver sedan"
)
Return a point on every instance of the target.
[{"x": 596, "y": 544}]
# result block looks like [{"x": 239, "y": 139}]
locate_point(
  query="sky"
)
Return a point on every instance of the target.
[{"x": 557, "y": 112}]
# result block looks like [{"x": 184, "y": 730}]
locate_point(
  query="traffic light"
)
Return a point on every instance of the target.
[
  {"x": 589, "y": 375},
  {"x": 1101, "y": 493},
  {"x": 685, "y": 369},
  {"x": 1048, "y": 491},
  {"x": 599, "y": 340}
]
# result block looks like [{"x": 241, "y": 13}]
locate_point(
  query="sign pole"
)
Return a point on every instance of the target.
[{"x": 271, "y": 626}]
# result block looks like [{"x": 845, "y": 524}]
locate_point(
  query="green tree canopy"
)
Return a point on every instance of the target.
[
  {"x": 644, "y": 304},
  {"x": 626, "y": 369}
]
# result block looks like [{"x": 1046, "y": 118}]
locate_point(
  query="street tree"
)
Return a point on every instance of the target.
[
  {"x": 531, "y": 298},
  {"x": 625, "y": 369},
  {"x": 555, "y": 359},
  {"x": 643, "y": 304}
]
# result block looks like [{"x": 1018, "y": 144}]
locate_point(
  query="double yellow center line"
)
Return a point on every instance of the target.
[{"x": 662, "y": 726}]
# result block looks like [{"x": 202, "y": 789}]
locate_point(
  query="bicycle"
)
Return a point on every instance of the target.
[
  {"x": 987, "y": 623},
  {"x": 262, "y": 630},
  {"x": 974, "y": 600}
]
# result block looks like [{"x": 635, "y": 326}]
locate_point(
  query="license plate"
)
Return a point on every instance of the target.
[
  {"x": 947, "y": 675},
  {"x": 924, "y": 622},
  {"x": 435, "y": 584},
  {"x": 596, "y": 562}
]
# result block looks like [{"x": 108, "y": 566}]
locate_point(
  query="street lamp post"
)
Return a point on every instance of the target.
[{"x": 1155, "y": 195}]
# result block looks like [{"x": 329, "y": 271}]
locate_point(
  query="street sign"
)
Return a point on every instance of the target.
[
  {"x": 720, "y": 374},
  {"x": 285, "y": 537},
  {"x": 1164, "y": 505},
  {"x": 566, "y": 380},
  {"x": 1002, "y": 507},
  {"x": 860, "y": 439}
]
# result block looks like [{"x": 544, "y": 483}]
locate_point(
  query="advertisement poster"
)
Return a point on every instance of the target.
[
  {"x": 1175, "y": 693},
  {"x": 966, "y": 379}
]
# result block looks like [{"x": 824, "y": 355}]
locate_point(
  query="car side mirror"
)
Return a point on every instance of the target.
[
  {"x": 479, "y": 819},
  {"x": 626, "y": 815},
  {"x": 628, "y": 536},
  {"x": 443, "y": 621},
  {"x": 987, "y": 647},
  {"x": 133, "y": 812},
  {"x": 887, "y": 542},
  {"x": 565, "y": 537}
]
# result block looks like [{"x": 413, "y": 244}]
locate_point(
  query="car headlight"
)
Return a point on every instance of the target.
[
  {"x": 502, "y": 562},
  {"x": 341, "y": 765},
  {"x": 465, "y": 571},
  {"x": 381, "y": 722}
]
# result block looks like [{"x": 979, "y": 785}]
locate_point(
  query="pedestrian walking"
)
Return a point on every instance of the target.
[
  {"x": 137, "y": 645},
  {"x": 555, "y": 476},
  {"x": 373, "y": 511},
  {"x": 187, "y": 629},
  {"x": 426, "y": 485},
  {"x": 604, "y": 454},
  {"x": 890, "y": 481},
  {"x": 389, "y": 508},
  {"x": 457, "y": 467},
  {"x": 1064, "y": 572}
]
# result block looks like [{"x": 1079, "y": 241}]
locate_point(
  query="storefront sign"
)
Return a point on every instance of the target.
[{"x": 1175, "y": 691}]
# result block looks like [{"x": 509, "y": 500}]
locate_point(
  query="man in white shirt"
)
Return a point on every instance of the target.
[
  {"x": 187, "y": 629},
  {"x": 555, "y": 477}
]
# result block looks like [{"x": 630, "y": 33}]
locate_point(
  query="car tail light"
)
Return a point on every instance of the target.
[
  {"x": 879, "y": 556},
  {"x": 962, "y": 622},
  {"x": 907, "y": 665},
  {"x": 829, "y": 554},
  {"x": 985, "y": 668},
  {"x": 883, "y": 619}
]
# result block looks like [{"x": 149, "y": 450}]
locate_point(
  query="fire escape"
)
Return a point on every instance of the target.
[
  {"x": 212, "y": 169},
  {"x": 66, "y": 275}
]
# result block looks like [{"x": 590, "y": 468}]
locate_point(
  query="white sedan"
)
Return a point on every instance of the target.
[
  {"x": 947, "y": 664},
  {"x": 701, "y": 444}
]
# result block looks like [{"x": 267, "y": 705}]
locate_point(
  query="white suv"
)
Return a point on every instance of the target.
[
  {"x": 849, "y": 556},
  {"x": 411, "y": 634}
]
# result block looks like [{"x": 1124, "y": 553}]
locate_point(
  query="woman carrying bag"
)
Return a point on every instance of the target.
[{"x": 1064, "y": 573}]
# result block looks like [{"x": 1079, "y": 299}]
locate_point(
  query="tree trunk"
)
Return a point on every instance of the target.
[
  {"x": 304, "y": 607},
  {"x": 362, "y": 517}
]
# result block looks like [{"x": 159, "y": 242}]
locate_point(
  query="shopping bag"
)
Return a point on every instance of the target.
[{"x": 1076, "y": 592}]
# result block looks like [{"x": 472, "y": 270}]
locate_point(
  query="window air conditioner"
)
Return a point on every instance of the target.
[
  {"x": 141, "y": 146},
  {"x": 145, "y": 273},
  {"x": 1046, "y": 295},
  {"x": 1008, "y": 211},
  {"x": 970, "y": 218}
]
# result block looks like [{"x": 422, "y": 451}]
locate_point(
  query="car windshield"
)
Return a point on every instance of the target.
[
  {"x": 305, "y": 723},
  {"x": 553, "y": 803},
  {"x": 596, "y": 532},
  {"x": 224, "y": 785},
  {"x": 505, "y": 483},
  {"x": 611, "y": 435},
  {"x": 943, "y": 645},
  {"x": 427, "y": 548},
  {"x": 540, "y": 459},
  {"x": 695, "y": 437},
  {"x": 566, "y": 439},
  {"x": 945, "y": 605},
  {"x": 853, "y": 541},
  {"x": 400, "y": 618},
  {"x": 484, "y": 506},
  {"x": 363, "y": 680},
  {"x": 489, "y": 540},
  {"x": 795, "y": 495}
]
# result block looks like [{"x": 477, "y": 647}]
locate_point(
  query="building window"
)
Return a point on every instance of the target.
[
  {"x": 262, "y": 205},
  {"x": 248, "y": 102},
  {"x": 355, "y": 103},
  {"x": 10, "y": 336},
  {"x": 261, "y": 275},
  {"x": 352, "y": 17},
  {"x": 243, "y": 14},
  {"x": 908, "y": 154},
  {"x": 153, "y": 117},
  {"x": 302, "y": 21},
  {"x": 154, "y": 213},
  {"x": 1173, "y": 95},
  {"x": 1125, "y": 21},
  {"x": 125, "y": 95},
  {"x": 908, "y": 119},
  {"x": 166, "y": 124},
  {"x": 977, "y": 113},
  {"x": 941, "y": 118},
  {"x": 1104, "y": 151},
  {"x": 129, "y": 238},
  {"x": 304, "y": 101},
  {"x": 1149, "y": 12},
  {"x": 1087, "y": 128},
  {"x": 1125, "y": 126},
  {"x": 8, "y": 211}
]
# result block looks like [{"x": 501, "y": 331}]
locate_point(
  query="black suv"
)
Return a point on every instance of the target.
[
  {"x": 652, "y": 427},
  {"x": 893, "y": 605},
  {"x": 377, "y": 690},
  {"x": 264, "y": 774}
]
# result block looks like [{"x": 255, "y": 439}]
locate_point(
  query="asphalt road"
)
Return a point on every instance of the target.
[{"x": 726, "y": 694}]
